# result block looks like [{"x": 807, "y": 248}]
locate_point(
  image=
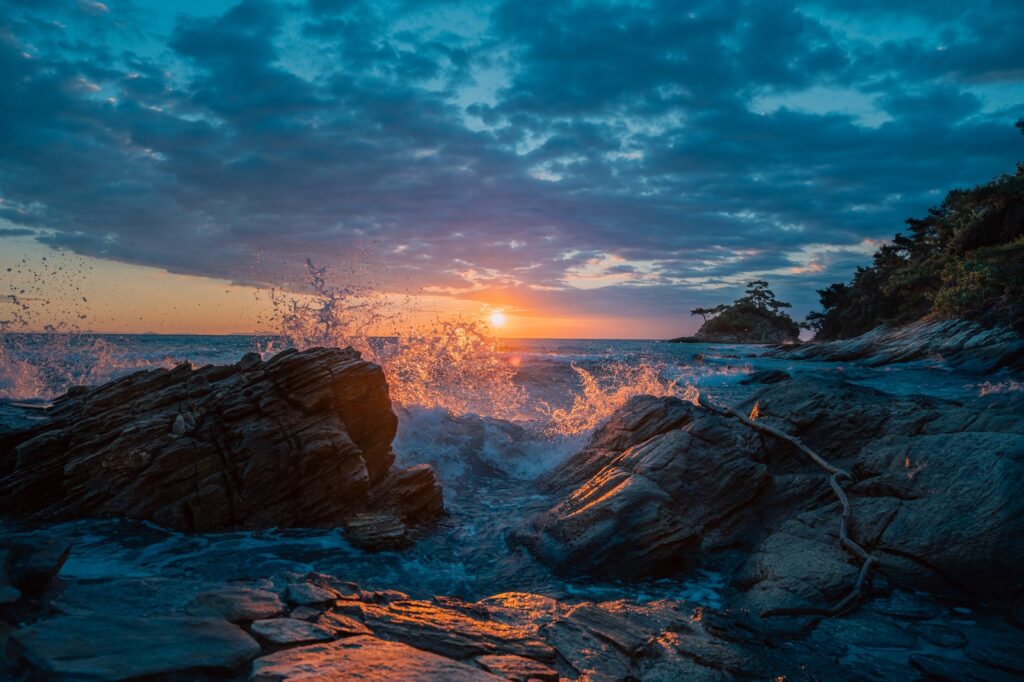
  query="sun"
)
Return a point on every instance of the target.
[{"x": 498, "y": 318}]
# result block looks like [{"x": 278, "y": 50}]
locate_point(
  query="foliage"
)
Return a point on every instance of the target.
[
  {"x": 964, "y": 259},
  {"x": 759, "y": 308}
]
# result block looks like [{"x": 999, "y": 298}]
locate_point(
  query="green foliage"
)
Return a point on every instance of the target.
[
  {"x": 758, "y": 309},
  {"x": 964, "y": 259}
]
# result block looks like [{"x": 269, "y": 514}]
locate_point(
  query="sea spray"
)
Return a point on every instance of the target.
[{"x": 45, "y": 347}]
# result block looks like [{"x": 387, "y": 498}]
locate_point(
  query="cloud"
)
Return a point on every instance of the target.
[{"x": 609, "y": 157}]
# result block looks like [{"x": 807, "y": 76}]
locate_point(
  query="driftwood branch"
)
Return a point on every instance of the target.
[{"x": 835, "y": 475}]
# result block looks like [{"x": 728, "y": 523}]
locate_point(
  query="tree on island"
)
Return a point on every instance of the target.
[
  {"x": 965, "y": 259},
  {"x": 756, "y": 317}
]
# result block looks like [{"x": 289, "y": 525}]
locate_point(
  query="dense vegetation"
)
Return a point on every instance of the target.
[
  {"x": 964, "y": 259},
  {"x": 756, "y": 317}
]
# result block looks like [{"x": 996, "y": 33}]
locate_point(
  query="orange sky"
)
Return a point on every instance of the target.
[{"x": 105, "y": 296}]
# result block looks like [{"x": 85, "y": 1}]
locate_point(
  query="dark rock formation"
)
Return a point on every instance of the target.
[
  {"x": 648, "y": 510},
  {"x": 302, "y": 439},
  {"x": 116, "y": 647},
  {"x": 965, "y": 345},
  {"x": 935, "y": 494}
]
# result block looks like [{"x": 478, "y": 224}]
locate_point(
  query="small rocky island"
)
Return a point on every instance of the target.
[{"x": 757, "y": 317}]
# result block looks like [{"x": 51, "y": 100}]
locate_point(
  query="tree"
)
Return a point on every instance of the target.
[
  {"x": 761, "y": 297},
  {"x": 963, "y": 259}
]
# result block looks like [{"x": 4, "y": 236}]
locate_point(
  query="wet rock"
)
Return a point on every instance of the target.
[
  {"x": 956, "y": 670},
  {"x": 342, "y": 625},
  {"x": 34, "y": 562},
  {"x": 8, "y": 592},
  {"x": 939, "y": 635},
  {"x": 412, "y": 494},
  {"x": 649, "y": 509},
  {"x": 375, "y": 531},
  {"x": 448, "y": 631},
  {"x": 863, "y": 630},
  {"x": 122, "y": 647},
  {"x": 305, "y": 613},
  {"x": 517, "y": 668},
  {"x": 960, "y": 343},
  {"x": 311, "y": 592},
  {"x": 280, "y": 632},
  {"x": 237, "y": 604},
  {"x": 961, "y": 515},
  {"x": 300, "y": 440},
  {"x": 765, "y": 376},
  {"x": 906, "y": 606},
  {"x": 639, "y": 420},
  {"x": 1002, "y": 648},
  {"x": 366, "y": 658}
]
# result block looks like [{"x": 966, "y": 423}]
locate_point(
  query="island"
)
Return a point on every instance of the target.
[{"x": 757, "y": 317}]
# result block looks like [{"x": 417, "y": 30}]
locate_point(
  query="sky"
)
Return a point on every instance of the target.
[{"x": 592, "y": 169}]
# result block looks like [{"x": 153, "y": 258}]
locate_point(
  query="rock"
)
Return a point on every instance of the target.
[
  {"x": 412, "y": 494},
  {"x": 961, "y": 517},
  {"x": 300, "y": 440},
  {"x": 517, "y": 668},
  {"x": 906, "y": 606},
  {"x": 639, "y": 420},
  {"x": 289, "y": 632},
  {"x": 124, "y": 647},
  {"x": 376, "y": 531},
  {"x": 237, "y": 604},
  {"x": 34, "y": 562},
  {"x": 765, "y": 376},
  {"x": 305, "y": 613},
  {"x": 965, "y": 345},
  {"x": 342, "y": 625},
  {"x": 939, "y": 635},
  {"x": 448, "y": 631},
  {"x": 311, "y": 593},
  {"x": 8, "y": 592},
  {"x": 1002, "y": 649},
  {"x": 955, "y": 670},
  {"x": 647, "y": 511},
  {"x": 363, "y": 658}
]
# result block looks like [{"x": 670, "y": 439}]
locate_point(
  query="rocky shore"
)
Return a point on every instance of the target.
[
  {"x": 961, "y": 344},
  {"x": 663, "y": 489}
]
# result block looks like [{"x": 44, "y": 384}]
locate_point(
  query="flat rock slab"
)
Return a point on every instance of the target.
[
  {"x": 290, "y": 631},
  {"x": 237, "y": 604},
  {"x": 363, "y": 658},
  {"x": 518, "y": 668},
  {"x": 124, "y": 648}
]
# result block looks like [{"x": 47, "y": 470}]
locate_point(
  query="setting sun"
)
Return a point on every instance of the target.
[{"x": 498, "y": 318}]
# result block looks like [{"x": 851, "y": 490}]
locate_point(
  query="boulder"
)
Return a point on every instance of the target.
[
  {"x": 647, "y": 510},
  {"x": 124, "y": 648},
  {"x": 302, "y": 439},
  {"x": 284, "y": 632},
  {"x": 363, "y": 658},
  {"x": 236, "y": 604},
  {"x": 454, "y": 630}
]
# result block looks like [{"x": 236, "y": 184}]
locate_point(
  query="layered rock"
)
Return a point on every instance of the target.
[
  {"x": 648, "y": 510},
  {"x": 962, "y": 344},
  {"x": 935, "y": 494},
  {"x": 302, "y": 439}
]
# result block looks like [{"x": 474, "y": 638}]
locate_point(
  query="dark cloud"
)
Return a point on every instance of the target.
[{"x": 523, "y": 148}]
